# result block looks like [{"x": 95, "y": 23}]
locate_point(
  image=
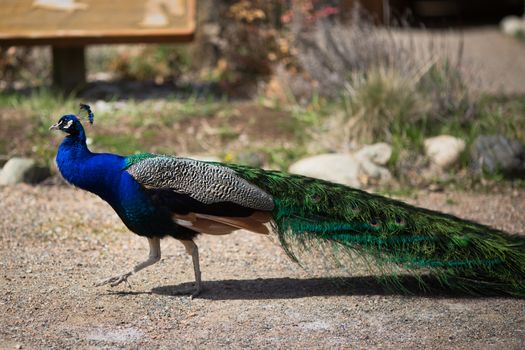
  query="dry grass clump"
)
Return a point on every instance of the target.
[{"x": 387, "y": 77}]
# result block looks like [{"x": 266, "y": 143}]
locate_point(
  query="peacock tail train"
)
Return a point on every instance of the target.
[
  {"x": 392, "y": 237},
  {"x": 459, "y": 254}
]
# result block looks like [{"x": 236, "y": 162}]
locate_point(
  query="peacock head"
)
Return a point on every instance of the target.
[{"x": 70, "y": 123}]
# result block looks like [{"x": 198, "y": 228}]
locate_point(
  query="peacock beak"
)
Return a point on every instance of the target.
[{"x": 54, "y": 127}]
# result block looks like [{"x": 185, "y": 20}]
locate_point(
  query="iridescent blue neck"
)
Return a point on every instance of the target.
[
  {"x": 74, "y": 146},
  {"x": 95, "y": 172}
]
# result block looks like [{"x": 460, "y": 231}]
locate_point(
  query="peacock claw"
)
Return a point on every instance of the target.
[
  {"x": 115, "y": 280},
  {"x": 195, "y": 293}
]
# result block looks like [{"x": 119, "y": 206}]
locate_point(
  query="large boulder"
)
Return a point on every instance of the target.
[
  {"x": 378, "y": 153},
  {"x": 444, "y": 150},
  {"x": 371, "y": 159},
  {"x": 334, "y": 167},
  {"x": 362, "y": 168},
  {"x": 18, "y": 170},
  {"x": 498, "y": 154}
]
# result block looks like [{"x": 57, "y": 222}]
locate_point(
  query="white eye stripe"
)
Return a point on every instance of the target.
[{"x": 68, "y": 125}]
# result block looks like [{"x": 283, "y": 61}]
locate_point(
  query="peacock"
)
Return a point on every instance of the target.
[{"x": 160, "y": 195}]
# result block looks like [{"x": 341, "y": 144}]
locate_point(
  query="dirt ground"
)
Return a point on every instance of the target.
[{"x": 56, "y": 241}]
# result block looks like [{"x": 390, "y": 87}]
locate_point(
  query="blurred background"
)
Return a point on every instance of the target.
[{"x": 383, "y": 94}]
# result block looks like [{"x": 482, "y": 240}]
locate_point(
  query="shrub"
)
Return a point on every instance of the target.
[
  {"x": 24, "y": 66},
  {"x": 150, "y": 62},
  {"x": 248, "y": 44},
  {"x": 388, "y": 78}
]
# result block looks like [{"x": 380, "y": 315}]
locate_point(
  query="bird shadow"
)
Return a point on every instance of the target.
[{"x": 292, "y": 288}]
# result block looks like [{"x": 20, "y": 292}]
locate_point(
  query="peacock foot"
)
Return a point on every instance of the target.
[
  {"x": 114, "y": 281},
  {"x": 196, "y": 292}
]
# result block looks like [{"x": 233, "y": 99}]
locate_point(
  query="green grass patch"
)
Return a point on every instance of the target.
[
  {"x": 451, "y": 201},
  {"x": 398, "y": 192},
  {"x": 120, "y": 126},
  {"x": 117, "y": 143},
  {"x": 282, "y": 157},
  {"x": 42, "y": 103}
]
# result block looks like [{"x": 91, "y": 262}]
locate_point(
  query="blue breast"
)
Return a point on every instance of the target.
[{"x": 103, "y": 174}]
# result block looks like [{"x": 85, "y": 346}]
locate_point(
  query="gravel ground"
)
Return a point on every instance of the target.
[{"x": 56, "y": 241}]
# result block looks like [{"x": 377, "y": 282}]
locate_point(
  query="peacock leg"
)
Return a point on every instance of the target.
[
  {"x": 154, "y": 256},
  {"x": 193, "y": 250}
]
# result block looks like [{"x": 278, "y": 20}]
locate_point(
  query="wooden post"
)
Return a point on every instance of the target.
[
  {"x": 204, "y": 49},
  {"x": 69, "y": 68}
]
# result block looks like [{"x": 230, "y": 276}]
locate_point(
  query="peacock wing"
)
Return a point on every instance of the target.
[{"x": 206, "y": 197}]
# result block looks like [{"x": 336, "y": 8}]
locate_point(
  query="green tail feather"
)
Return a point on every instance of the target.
[{"x": 460, "y": 254}]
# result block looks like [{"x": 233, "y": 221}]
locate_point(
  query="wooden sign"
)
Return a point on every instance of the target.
[{"x": 81, "y": 22}]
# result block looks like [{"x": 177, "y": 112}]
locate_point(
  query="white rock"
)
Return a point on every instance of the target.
[
  {"x": 444, "y": 150},
  {"x": 339, "y": 168},
  {"x": 18, "y": 170},
  {"x": 14, "y": 170},
  {"x": 375, "y": 172},
  {"x": 512, "y": 25},
  {"x": 378, "y": 153}
]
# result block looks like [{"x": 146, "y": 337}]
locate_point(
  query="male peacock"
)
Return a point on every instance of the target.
[{"x": 158, "y": 196}]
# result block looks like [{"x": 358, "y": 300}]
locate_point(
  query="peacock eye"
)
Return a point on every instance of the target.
[
  {"x": 399, "y": 220},
  {"x": 68, "y": 124},
  {"x": 374, "y": 222}
]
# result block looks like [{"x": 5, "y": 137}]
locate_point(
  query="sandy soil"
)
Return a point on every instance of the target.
[{"x": 55, "y": 241}]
